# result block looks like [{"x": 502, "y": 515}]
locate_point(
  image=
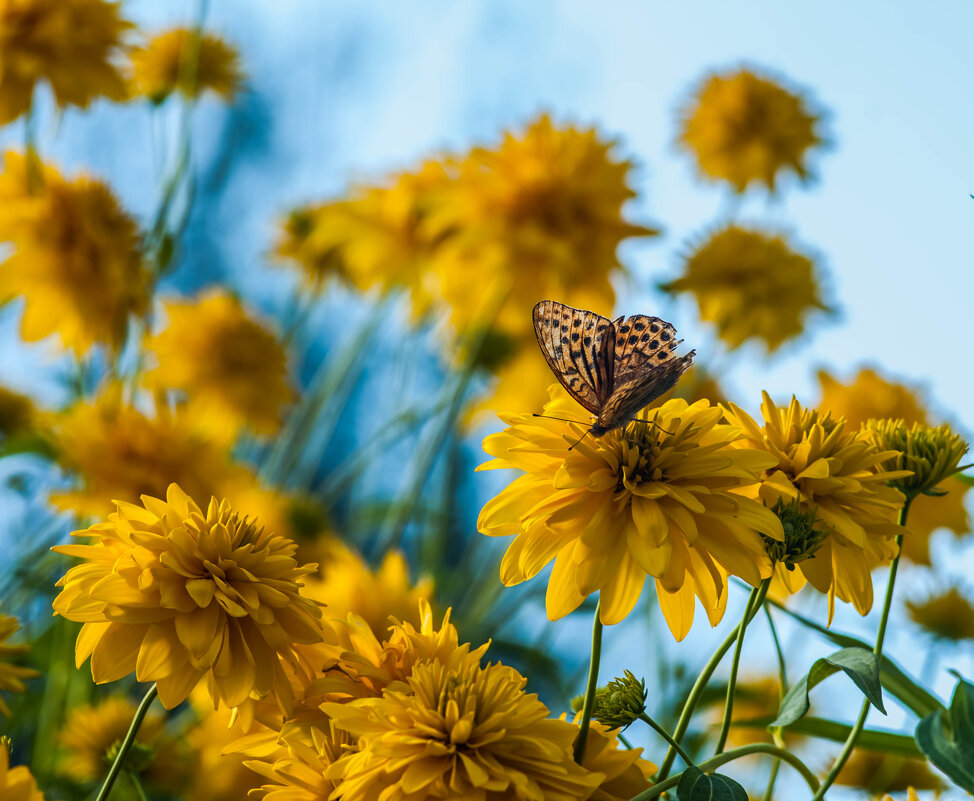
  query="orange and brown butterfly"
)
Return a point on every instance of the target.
[{"x": 614, "y": 368}]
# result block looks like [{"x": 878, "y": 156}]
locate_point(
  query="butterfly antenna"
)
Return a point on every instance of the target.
[
  {"x": 653, "y": 423},
  {"x": 579, "y": 440},
  {"x": 563, "y": 419}
]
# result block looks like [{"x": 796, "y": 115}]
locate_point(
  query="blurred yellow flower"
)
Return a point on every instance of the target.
[
  {"x": 179, "y": 596},
  {"x": 71, "y": 44},
  {"x": 838, "y": 475},
  {"x": 180, "y": 60},
  {"x": 751, "y": 284},
  {"x": 947, "y": 614},
  {"x": 911, "y": 795},
  {"x": 217, "y": 776},
  {"x": 119, "y": 453},
  {"x": 17, "y": 412},
  {"x": 91, "y": 732},
  {"x": 74, "y": 255},
  {"x": 231, "y": 367},
  {"x": 754, "y": 697},
  {"x": 745, "y": 128},
  {"x": 876, "y": 773},
  {"x": 626, "y": 772},
  {"x": 16, "y": 784},
  {"x": 11, "y": 676},
  {"x": 654, "y": 499}
]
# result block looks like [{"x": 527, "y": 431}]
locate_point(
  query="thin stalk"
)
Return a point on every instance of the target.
[
  {"x": 782, "y": 684},
  {"x": 860, "y": 723},
  {"x": 593, "y": 682},
  {"x": 137, "y": 784},
  {"x": 127, "y": 743},
  {"x": 754, "y": 602},
  {"x": 772, "y": 778},
  {"x": 729, "y": 756},
  {"x": 666, "y": 736}
]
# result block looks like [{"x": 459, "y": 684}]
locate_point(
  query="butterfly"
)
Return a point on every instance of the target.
[{"x": 614, "y": 368}]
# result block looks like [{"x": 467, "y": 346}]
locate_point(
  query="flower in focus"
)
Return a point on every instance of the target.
[
  {"x": 179, "y": 596},
  {"x": 751, "y": 284},
  {"x": 70, "y": 44},
  {"x": 180, "y": 60},
  {"x": 16, "y": 784},
  {"x": 626, "y": 773},
  {"x": 839, "y": 474},
  {"x": 91, "y": 733},
  {"x": 657, "y": 499},
  {"x": 457, "y": 732},
  {"x": 876, "y": 773},
  {"x": 17, "y": 412},
  {"x": 620, "y": 702},
  {"x": 74, "y": 256},
  {"x": 11, "y": 676},
  {"x": 744, "y": 128},
  {"x": 121, "y": 453},
  {"x": 231, "y": 367},
  {"x": 947, "y": 614}
]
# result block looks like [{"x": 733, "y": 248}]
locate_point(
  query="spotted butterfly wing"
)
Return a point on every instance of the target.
[{"x": 640, "y": 385}]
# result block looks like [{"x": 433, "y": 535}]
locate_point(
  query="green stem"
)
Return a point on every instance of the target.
[
  {"x": 860, "y": 723},
  {"x": 754, "y": 602},
  {"x": 782, "y": 684},
  {"x": 593, "y": 681},
  {"x": 772, "y": 778},
  {"x": 137, "y": 784},
  {"x": 127, "y": 743},
  {"x": 729, "y": 756},
  {"x": 666, "y": 736}
]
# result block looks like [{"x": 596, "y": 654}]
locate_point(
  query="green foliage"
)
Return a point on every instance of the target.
[
  {"x": 949, "y": 743},
  {"x": 695, "y": 785}
]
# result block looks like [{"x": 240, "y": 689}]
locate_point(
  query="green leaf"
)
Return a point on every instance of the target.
[
  {"x": 27, "y": 442},
  {"x": 888, "y": 742},
  {"x": 695, "y": 785},
  {"x": 949, "y": 743},
  {"x": 969, "y": 480},
  {"x": 859, "y": 664}
]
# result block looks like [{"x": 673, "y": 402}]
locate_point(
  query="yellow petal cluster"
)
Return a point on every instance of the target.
[
  {"x": 745, "y": 128},
  {"x": 875, "y": 772},
  {"x": 230, "y": 366},
  {"x": 74, "y": 255},
  {"x": 11, "y": 676},
  {"x": 217, "y": 776},
  {"x": 16, "y": 784},
  {"x": 947, "y": 614},
  {"x": 182, "y": 60},
  {"x": 625, "y": 773},
  {"x": 751, "y": 284},
  {"x": 659, "y": 499},
  {"x": 837, "y": 473},
  {"x": 73, "y": 45},
  {"x": 180, "y": 596}
]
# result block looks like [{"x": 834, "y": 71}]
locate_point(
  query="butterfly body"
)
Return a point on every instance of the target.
[{"x": 613, "y": 368}]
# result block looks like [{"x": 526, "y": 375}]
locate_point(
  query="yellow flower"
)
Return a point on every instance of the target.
[
  {"x": 231, "y": 367},
  {"x": 651, "y": 499},
  {"x": 744, "y": 128},
  {"x": 626, "y": 772},
  {"x": 347, "y": 584},
  {"x": 217, "y": 776},
  {"x": 11, "y": 676},
  {"x": 71, "y": 44},
  {"x": 947, "y": 614},
  {"x": 17, "y": 413},
  {"x": 754, "y": 697},
  {"x": 74, "y": 256},
  {"x": 457, "y": 732},
  {"x": 119, "y": 453},
  {"x": 180, "y": 596},
  {"x": 837, "y": 474},
  {"x": 876, "y": 773},
  {"x": 16, "y": 784},
  {"x": 751, "y": 284},
  {"x": 180, "y": 60},
  {"x": 911, "y": 795},
  {"x": 91, "y": 733}
]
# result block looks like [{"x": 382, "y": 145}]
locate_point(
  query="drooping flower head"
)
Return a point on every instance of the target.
[
  {"x": 620, "y": 702},
  {"x": 838, "y": 474},
  {"x": 11, "y": 676},
  {"x": 658, "y": 498},
  {"x": 744, "y": 128},
  {"x": 180, "y": 596},
  {"x": 751, "y": 284},
  {"x": 73, "y": 45},
  {"x": 182, "y": 60},
  {"x": 75, "y": 257}
]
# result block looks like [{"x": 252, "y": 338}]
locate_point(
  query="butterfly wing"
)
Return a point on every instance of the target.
[
  {"x": 640, "y": 334},
  {"x": 640, "y": 385},
  {"x": 577, "y": 346}
]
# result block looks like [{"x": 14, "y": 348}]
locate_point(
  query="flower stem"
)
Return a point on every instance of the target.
[
  {"x": 754, "y": 602},
  {"x": 729, "y": 756},
  {"x": 666, "y": 736},
  {"x": 137, "y": 784},
  {"x": 782, "y": 685},
  {"x": 127, "y": 743},
  {"x": 593, "y": 681},
  {"x": 853, "y": 737}
]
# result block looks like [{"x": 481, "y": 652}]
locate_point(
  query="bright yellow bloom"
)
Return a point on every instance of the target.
[
  {"x": 838, "y": 474},
  {"x": 229, "y": 364},
  {"x": 11, "y": 676},
  {"x": 650, "y": 499},
  {"x": 74, "y": 256},
  {"x": 91, "y": 732},
  {"x": 180, "y": 596},
  {"x": 876, "y": 773},
  {"x": 751, "y": 284},
  {"x": 947, "y": 614},
  {"x": 744, "y": 128},
  {"x": 71, "y": 44},
  {"x": 457, "y": 732},
  {"x": 17, "y": 412},
  {"x": 16, "y": 784},
  {"x": 121, "y": 453},
  {"x": 626, "y": 772},
  {"x": 180, "y": 60}
]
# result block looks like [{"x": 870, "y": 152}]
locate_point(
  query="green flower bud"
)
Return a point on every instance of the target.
[
  {"x": 620, "y": 702},
  {"x": 802, "y": 538}
]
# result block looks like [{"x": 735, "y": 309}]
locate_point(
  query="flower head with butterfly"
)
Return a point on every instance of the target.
[{"x": 641, "y": 492}]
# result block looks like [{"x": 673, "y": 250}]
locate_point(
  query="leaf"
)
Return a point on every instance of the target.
[
  {"x": 950, "y": 744},
  {"x": 969, "y": 480},
  {"x": 859, "y": 664},
  {"x": 888, "y": 742},
  {"x": 695, "y": 785}
]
